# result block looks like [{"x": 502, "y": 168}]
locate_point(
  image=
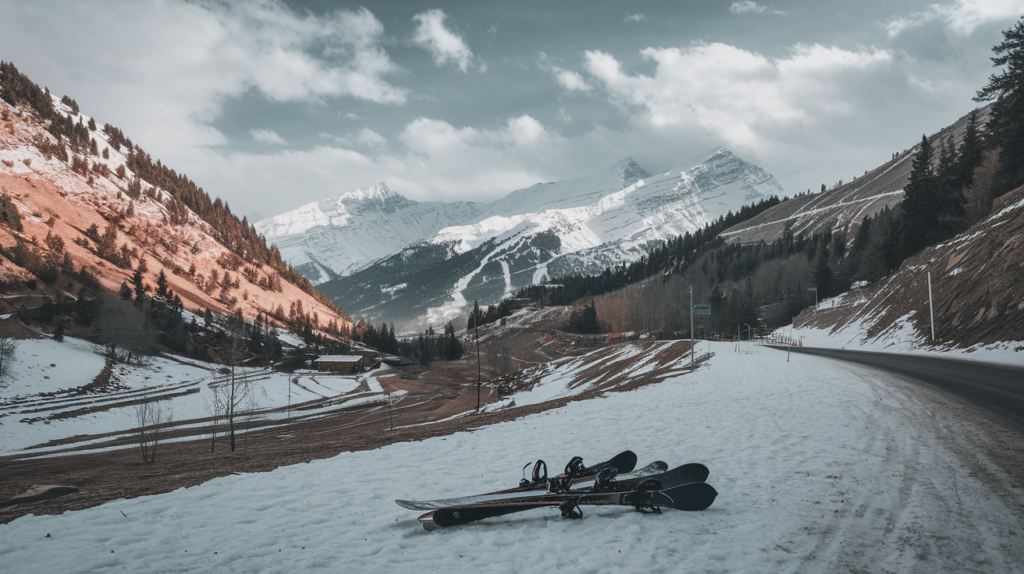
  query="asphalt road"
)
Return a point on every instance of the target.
[{"x": 997, "y": 388}]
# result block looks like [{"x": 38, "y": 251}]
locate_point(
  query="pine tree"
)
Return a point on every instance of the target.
[
  {"x": 1006, "y": 124},
  {"x": 823, "y": 279},
  {"x": 125, "y": 291},
  {"x": 140, "y": 287},
  {"x": 919, "y": 213},
  {"x": 950, "y": 214},
  {"x": 971, "y": 152},
  {"x": 161, "y": 284}
]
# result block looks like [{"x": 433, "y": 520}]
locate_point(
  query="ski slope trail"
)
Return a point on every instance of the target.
[{"x": 820, "y": 466}]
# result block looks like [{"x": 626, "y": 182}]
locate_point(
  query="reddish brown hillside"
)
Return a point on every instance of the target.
[{"x": 83, "y": 204}]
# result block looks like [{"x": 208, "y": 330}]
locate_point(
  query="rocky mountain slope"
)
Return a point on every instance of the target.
[
  {"x": 549, "y": 230},
  {"x": 978, "y": 295},
  {"x": 835, "y": 209},
  {"x": 74, "y": 204},
  {"x": 339, "y": 236}
]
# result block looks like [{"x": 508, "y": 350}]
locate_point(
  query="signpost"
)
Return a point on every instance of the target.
[{"x": 699, "y": 311}]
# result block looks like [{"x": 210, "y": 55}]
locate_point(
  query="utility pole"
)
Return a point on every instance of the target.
[
  {"x": 691, "y": 329},
  {"x": 931, "y": 310},
  {"x": 789, "y": 344},
  {"x": 476, "y": 330}
]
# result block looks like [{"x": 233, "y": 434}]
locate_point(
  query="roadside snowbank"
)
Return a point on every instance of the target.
[{"x": 900, "y": 337}]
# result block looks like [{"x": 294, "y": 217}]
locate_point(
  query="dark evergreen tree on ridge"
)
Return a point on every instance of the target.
[
  {"x": 919, "y": 205},
  {"x": 1006, "y": 124}
]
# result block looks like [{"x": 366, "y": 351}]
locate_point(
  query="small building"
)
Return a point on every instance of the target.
[{"x": 340, "y": 363}]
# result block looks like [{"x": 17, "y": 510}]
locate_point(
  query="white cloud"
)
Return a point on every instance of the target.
[
  {"x": 267, "y": 137},
  {"x": 744, "y": 98},
  {"x": 961, "y": 17},
  {"x": 749, "y": 7},
  {"x": 443, "y": 44},
  {"x": 634, "y": 18},
  {"x": 365, "y": 138},
  {"x": 372, "y": 139},
  {"x": 564, "y": 115},
  {"x": 431, "y": 160},
  {"x": 164, "y": 70},
  {"x": 570, "y": 80}
]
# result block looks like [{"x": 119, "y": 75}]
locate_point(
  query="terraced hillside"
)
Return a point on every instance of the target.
[{"x": 838, "y": 208}]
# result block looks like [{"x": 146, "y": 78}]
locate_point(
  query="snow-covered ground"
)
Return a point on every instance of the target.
[
  {"x": 820, "y": 466},
  {"x": 901, "y": 337},
  {"x": 42, "y": 401}
]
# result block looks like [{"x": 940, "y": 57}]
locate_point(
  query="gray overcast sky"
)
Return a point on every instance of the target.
[{"x": 272, "y": 104}]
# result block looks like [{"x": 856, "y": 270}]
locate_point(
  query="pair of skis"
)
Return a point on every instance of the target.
[{"x": 613, "y": 482}]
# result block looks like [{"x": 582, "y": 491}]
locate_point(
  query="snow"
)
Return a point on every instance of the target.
[
  {"x": 42, "y": 403},
  {"x": 900, "y": 337},
  {"x": 44, "y": 365},
  {"x": 346, "y": 233},
  {"x": 820, "y": 466},
  {"x": 600, "y": 220}
]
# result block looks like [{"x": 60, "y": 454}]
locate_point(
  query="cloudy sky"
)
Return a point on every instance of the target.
[{"x": 272, "y": 104}]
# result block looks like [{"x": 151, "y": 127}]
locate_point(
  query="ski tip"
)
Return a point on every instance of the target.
[
  {"x": 694, "y": 472},
  {"x": 692, "y": 496},
  {"x": 427, "y": 520},
  {"x": 624, "y": 462}
]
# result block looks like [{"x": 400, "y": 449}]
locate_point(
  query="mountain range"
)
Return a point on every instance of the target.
[{"x": 581, "y": 225}]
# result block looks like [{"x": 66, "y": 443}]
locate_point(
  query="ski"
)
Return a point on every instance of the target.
[
  {"x": 622, "y": 463},
  {"x": 648, "y": 496},
  {"x": 653, "y": 469}
]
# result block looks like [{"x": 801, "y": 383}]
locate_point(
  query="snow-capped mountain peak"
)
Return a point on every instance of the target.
[
  {"x": 378, "y": 191},
  {"x": 340, "y": 235},
  {"x": 554, "y": 229}
]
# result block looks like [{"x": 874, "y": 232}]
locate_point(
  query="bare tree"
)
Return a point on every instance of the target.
[
  {"x": 122, "y": 325},
  {"x": 216, "y": 410},
  {"x": 8, "y": 347},
  {"x": 979, "y": 195},
  {"x": 237, "y": 389},
  {"x": 150, "y": 417}
]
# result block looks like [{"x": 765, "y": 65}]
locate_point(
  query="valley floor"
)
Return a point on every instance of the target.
[{"x": 820, "y": 466}]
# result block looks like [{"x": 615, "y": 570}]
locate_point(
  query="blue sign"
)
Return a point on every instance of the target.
[{"x": 702, "y": 310}]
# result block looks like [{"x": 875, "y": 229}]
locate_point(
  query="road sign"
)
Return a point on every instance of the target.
[{"x": 702, "y": 310}]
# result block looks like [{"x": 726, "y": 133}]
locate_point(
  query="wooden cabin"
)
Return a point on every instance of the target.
[{"x": 340, "y": 363}]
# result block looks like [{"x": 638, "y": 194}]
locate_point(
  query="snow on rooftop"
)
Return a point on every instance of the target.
[{"x": 339, "y": 359}]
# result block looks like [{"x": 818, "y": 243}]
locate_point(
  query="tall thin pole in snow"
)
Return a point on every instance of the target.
[
  {"x": 789, "y": 344},
  {"x": 931, "y": 310},
  {"x": 476, "y": 330},
  {"x": 691, "y": 328}
]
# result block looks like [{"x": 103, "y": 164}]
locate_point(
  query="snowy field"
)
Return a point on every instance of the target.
[
  {"x": 820, "y": 466},
  {"x": 43, "y": 401},
  {"x": 900, "y": 337}
]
